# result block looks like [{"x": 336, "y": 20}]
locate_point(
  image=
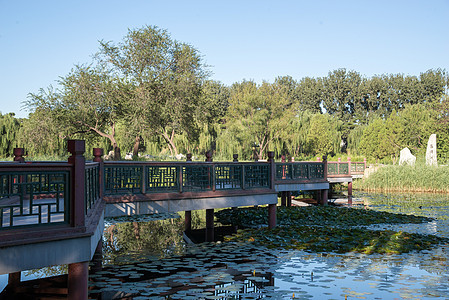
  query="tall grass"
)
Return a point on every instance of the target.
[{"x": 418, "y": 178}]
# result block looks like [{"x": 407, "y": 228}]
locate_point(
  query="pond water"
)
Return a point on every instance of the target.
[{"x": 150, "y": 260}]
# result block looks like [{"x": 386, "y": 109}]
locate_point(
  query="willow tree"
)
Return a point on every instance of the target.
[
  {"x": 258, "y": 114},
  {"x": 166, "y": 77},
  {"x": 9, "y": 129}
]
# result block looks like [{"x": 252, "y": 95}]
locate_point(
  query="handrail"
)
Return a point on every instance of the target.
[
  {"x": 299, "y": 171},
  {"x": 34, "y": 194},
  {"x": 178, "y": 177}
]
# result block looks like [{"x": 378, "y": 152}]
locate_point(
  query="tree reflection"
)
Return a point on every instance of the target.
[{"x": 136, "y": 241}]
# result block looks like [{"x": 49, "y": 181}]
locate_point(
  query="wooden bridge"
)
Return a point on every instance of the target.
[{"x": 52, "y": 213}]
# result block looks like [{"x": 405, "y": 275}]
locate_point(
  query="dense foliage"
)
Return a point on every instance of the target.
[{"x": 151, "y": 94}]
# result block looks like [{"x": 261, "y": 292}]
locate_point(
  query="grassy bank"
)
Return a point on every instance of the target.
[{"x": 418, "y": 178}]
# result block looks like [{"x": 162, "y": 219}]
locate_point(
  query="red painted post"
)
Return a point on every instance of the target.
[
  {"x": 98, "y": 154},
  {"x": 350, "y": 193},
  {"x": 272, "y": 207},
  {"x": 77, "y": 281},
  {"x": 364, "y": 162},
  {"x": 283, "y": 195},
  {"x": 210, "y": 225},
  {"x": 188, "y": 213},
  {"x": 188, "y": 221},
  {"x": 338, "y": 165},
  {"x": 14, "y": 279},
  {"x": 78, "y": 205},
  {"x": 272, "y": 168},
  {"x": 271, "y": 215},
  {"x": 349, "y": 166},
  {"x": 18, "y": 154},
  {"x": 324, "y": 193}
]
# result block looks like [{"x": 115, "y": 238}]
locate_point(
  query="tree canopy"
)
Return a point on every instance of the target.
[{"x": 150, "y": 93}]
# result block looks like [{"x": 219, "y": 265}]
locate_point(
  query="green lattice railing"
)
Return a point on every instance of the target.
[
  {"x": 141, "y": 177},
  {"x": 300, "y": 171},
  {"x": 92, "y": 184},
  {"x": 337, "y": 168},
  {"x": 358, "y": 167},
  {"x": 34, "y": 197}
]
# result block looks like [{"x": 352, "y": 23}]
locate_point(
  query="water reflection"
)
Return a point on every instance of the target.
[{"x": 150, "y": 260}]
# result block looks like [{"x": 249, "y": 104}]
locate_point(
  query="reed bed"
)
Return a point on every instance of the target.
[{"x": 418, "y": 178}]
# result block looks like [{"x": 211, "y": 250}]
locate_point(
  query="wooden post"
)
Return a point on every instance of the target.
[
  {"x": 188, "y": 221},
  {"x": 349, "y": 166},
  {"x": 98, "y": 153},
  {"x": 283, "y": 194},
  {"x": 364, "y": 162},
  {"x": 210, "y": 225},
  {"x": 18, "y": 154},
  {"x": 235, "y": 158},
  {"x": 77, "y": 205},
  {"x": 324, "y": 193},
  {"x": 77, "y": 281},
  {"x": 97, "y": 260},
  {"x": 271, "y": 215},
  {"x": 14, "y": 279}
]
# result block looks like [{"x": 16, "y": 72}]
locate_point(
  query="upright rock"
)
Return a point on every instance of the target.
[
  {"x": 431, "y": 153},
  {"x": 406, "y": 157}
]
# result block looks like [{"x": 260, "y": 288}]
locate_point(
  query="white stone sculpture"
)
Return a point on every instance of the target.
[
  {"x": 406, "y": 157},
  {"x": 431, "y": 153}
]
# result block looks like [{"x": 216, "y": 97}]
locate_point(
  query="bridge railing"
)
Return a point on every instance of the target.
[
  {"x": 34, "y": 194},
  {"x": 345, "y": 168},
  {"x": 300, "y": 171},
  {"x": 178, "y": 177},
  {"x": 42, "y": 194}
]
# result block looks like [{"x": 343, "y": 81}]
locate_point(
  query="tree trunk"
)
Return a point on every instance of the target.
[
  {"x": 136, "y": 146},
  {"x": 170, "y": 142},
  {"x": 117, "y": 154}
]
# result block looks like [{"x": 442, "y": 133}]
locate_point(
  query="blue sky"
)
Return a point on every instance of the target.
[{"x": 253, "y": 40}]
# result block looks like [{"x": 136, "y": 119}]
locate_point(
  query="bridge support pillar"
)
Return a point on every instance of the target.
[
  {"x": 289, "y": 198},
  {"x": 77, "y": 281},
  {"x": 97, "y": 260},
  {"x": 324, "y": 197},
  {"x": 210, "y": 225},
  {"x": 14, "y": 279},
  {"x": 271, "y": 215},
  {"x": 188, "y": 221},
  {"x": 350, "y": 193},
  {"x": 283, "y": 199}
]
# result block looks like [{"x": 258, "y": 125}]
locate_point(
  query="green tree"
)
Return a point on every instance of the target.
[
  {"x": 258, "y": 114},
  {"x": 341, "y": 94},
  {"x": 166, "y": 76},
  {"x": 90, "y": 100},
  {"x": 322, "y": 137},
  {"x": 9, "y": 132},
  {"x": 371, "y": 144},
  {"x": 309, "y": 94}
]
